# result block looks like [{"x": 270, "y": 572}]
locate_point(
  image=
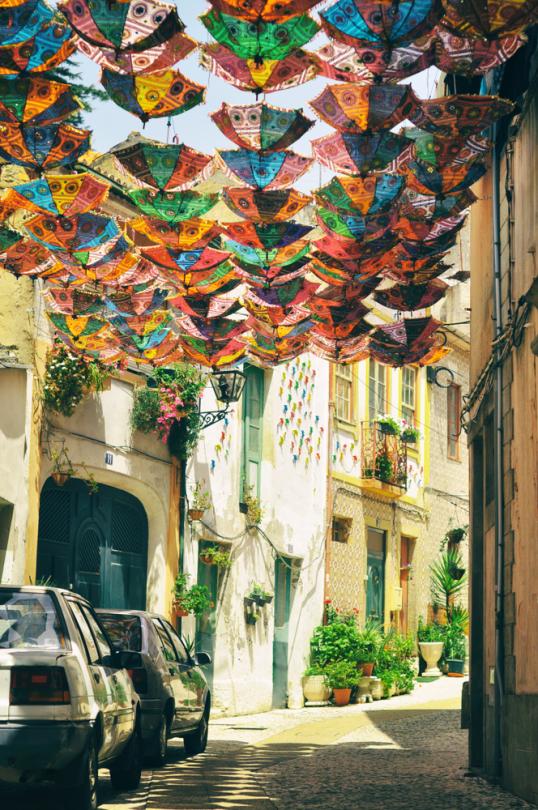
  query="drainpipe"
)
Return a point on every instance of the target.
[
  {"x": 498, "y": 459},
  {"x": 330, "y": 495}
]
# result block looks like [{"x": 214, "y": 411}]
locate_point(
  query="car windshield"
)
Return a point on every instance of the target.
[
  {"x": 125, "y": 631},
  {"x": 29, "y": 620}
]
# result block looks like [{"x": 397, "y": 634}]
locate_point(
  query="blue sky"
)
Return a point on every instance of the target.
[{"x": 111, "y": 124}]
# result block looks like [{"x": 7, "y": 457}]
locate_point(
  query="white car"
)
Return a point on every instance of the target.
[{"x": 67, "y": 703}]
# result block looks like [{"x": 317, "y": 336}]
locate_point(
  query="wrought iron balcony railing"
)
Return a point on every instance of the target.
[{"x": 383, "y": 456}]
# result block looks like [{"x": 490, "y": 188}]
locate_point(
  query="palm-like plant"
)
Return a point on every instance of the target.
[{"x": 448, "y": 579}]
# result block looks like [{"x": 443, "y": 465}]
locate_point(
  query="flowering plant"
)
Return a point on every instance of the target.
[
  {"x": 68, "y": 378},
  {"x": 171, "y": 409}
]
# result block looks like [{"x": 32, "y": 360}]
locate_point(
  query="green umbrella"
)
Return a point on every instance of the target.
[{"x": 173, "y": 206}]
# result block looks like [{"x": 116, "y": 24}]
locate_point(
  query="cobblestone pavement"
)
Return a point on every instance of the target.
[{"x": 408, "y": 752}]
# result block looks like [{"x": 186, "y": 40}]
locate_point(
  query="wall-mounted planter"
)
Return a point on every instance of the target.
[
  {"x": 195, "y": 514},
  {"x": 60, "y": 478},
  {"x": 252, "y": 618}
]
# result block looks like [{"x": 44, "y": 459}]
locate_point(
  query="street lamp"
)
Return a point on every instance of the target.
[{"x": 228, "y": 386}]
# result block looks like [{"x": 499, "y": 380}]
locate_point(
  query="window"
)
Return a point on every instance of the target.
[
  {"x": 28, "y": 621},
  {"x": 181, "y": 652},
  {"x": 97, "y": 631},
  {"x": 377, "y": 390},
  {"x": 341, "y": 529},
  {"x": 409, "y": 385},
  {"x": 92, "y": 651},
  {"x": 344, "y": 392},
  {"x": 124, "y": 631},
  {"x": 166, "y": 644},
  {"x": 252, "y": 428},
  {"x": 453, "y": 393}
]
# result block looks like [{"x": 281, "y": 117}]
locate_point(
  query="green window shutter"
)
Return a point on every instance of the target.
[{"x": 252, "y": 428}]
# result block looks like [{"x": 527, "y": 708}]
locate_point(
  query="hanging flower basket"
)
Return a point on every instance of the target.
[
  {"x": 252, "y": 618},
  {"x": 60, "y": 478},
  {"x": 388, "y": 426},
  {"x": 195, "y": 514},
  {"x": 206, "y": 559},
  {"x": 179, "y": 610},
  {"x": 410, "y": 435}
]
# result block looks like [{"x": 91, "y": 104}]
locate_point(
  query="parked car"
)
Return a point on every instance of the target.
[
  {"x": 175, "y": 698},
  {"x": 67, "y": 703}
]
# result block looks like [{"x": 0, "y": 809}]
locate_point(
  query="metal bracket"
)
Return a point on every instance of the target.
[{"x": 208, "y": 418}]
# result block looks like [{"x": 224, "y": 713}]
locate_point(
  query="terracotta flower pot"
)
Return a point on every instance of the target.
[
  {"x": 60, "y": 478},
  {"x": 180, "y": 611},
  {"x": 315, "y": 689},
  {"x": 195, "y": 514},
  {"x": 206, "y": 560},
  {"x": 431, "y": 651},
  {"x": 367, "y": 668},
  {"x": 341, "y": 696}
]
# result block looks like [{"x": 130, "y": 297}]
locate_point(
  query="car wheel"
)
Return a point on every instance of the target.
[
  {"x": 158, "y": 745},
  {"x": 83, "y": 778},
  {"x": 125, "y": 772},
  {"x": 196, "y": 743}
]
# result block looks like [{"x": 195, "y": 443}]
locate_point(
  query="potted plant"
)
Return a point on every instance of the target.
[
  {"x": 259, "y": 595},
  {"x": 431, "y": 642},
  {"x": 201, "y": 501},
  {"x": 383, "y": 467},
  {"x": 410, "y": 434},
  {"x": 62, "y": 467},
  {"x": 251, "y": 506},
  {"x": 195, "y": 600},
  {"x": 315, "y": 687},
  {"x": 334, "y": 642},
  {"x": 454, "y": 536},
  {"x": 252, "y": 616},
  {"x": 368, "y": 644},
  {"x": 454, "y": 650},
  {"x": 388, "y": 425},
  {"x": 341, "y": 677},
  {"x": 216, "y": 555}
]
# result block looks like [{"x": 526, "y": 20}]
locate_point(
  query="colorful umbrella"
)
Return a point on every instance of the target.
[
  {"x": 404, "y": 341},
  {"x": 365, "y": 108},
  {"x": 284, "y": 297},
  {"x": 275, "y": 74},
  {"x": 266, "y": 236},
  {"x": 427, "y": 208},
  {"x": 441, "y": 152},
  {"x": 341, "y": 351},
  {"x": 8, "y": 238},
  {"x": 60, "y": 194},
  {"x": 35, "y": 101},
  {"x": 50, "y": 46},
  {"x": 348, "y": 273},
  {"x": 171, "y": 167},
  {"x": 277, "y": 170},
  {"x": 122, "y": 26},
  {"x": 425, "y": 179},
  {"x": 267, "y": 258},
  {"x": 71, "y": 234},
  {"x": 220, "y": 279},
  {"x": 342, "y": 248},
  {"x": 159, "y": 57},
  {"x": 369, "y": 195},
  {"x": 23, "y": 21},
  {"x": 261, "y": 126},
  {"x": 76, "y": 328},
  {"x": 265, "y": 206},
  {"x": 459, "y": 116},
  {"x": 74, "y": 301},
  {"x": 215, "y": 330},
  {"x": 430, "y": 245},
  {"x": 153, "y": 95},
  {"x": 188, "y": 235},
  {"x": 389, "y": 23},
  {"x": 260, "y": 40},
  {"x": 346, "y": 63},
  {"x": 199, "y": 306},
  {"x": 26, "y": 257},
  {"x": 412, "y": 297},
  {"x": 413, "y": 271},
  {"x": 489, "y": 19},
  {"x": 41, "y": 148},
  {"x": 173, "y": 206},
  {"x": 269, "y": 10},
  {"x": 356, "y": 226},
  {"x": 273, "y": 275},
  {"x": 271, "y": 350},
  {"x": 189, "y": 261},
  {"x": 425, "y": 229},
  {"x": 468, "y": 57},
  {"x": 358, "y": 154},
  {"x": 212, "y": 355},
  {"x": 110, "y": 253}
]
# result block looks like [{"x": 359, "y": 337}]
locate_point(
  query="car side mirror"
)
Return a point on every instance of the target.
[
  {"x": 123, "y": 659},
  {"x": 202, "y": 659}
]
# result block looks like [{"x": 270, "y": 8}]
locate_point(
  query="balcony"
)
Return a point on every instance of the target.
[{"x": 383, "y": 461}]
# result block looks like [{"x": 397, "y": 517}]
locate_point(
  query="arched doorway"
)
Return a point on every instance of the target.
[{"x": 94, "y": 543}]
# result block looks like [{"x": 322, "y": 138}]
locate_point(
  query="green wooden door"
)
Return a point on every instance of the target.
[
  {"x": 252, "y": 427},
  {"x": 206, "y": 625},
  {"x": 95, "y": 544},
  {"x": 375, "y": 592},
  {"x": 282, "y": 603}
]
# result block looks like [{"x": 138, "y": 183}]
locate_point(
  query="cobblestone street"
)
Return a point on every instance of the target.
[{"x": 408, "y": 752}]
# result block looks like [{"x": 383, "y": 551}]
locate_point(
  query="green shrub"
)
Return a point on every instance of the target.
[
  {"x": 430, "y": 632},
  {"x": 334, "y": 642},
  {"x": 341, "y": 675}
]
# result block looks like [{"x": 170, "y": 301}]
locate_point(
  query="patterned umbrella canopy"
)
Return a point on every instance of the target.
[
  {"x": 356, "y": 226},
  {"x": 295, "y": 292},
  {"x": 50, "y": 46},
  {"x": 459, "y": 116},
  {"x": 210, "y": 354},
  {"x": 188, "y": 235},
  {"x": 124, "y": 26},
  {"x": 371, "y": 195},
  {"x": 261, "y": 126},
  {"x": 206, "y": 283},
  {"x": 26, "y": 257},
  {"x": 21, "y": 22},
  {"x": 260, "y": 40},
  {"x": 468, "y": 56},
  {"x": 171, "y": 167},
  {"x": 404, "y": 341},
  {"x": 349, "y": 350},
  {"x": 413, "y": 271},
  {"x": 173, "y": 206},
  {"x": 267, "y": 258},
  {"x": 427, "y": 208},
  {"x": 275, "y": 74},
  {"x": 35, "y": 101},
  {"x": 71, "y": 234},
  {"x": 413, "y": 296},
  {"x": 440, "y": 152},
  {"x": 60, "y": 194},
  {"x": 199, "y": 306},
  {"x": 77, "y": 328},
  {"x": 271, "y": 350},
  {"x": 358, "y": 154},
  {"x": 417, "y": 229},
  {"x": 109, "y": 254},
  {"x": 426, "y": 179},
  {"x": 368, "y": 63},
  {"x": 386, "y": 23},
  {"x": 264, "y": 172},
  {"x": 272, "y": 10},
  {"x": 159, "y": 57},
  {"x": 342, "y": 248},
  {"x": 75, "y": 301},
  {"x": 430, "y": 245},
  {"x": 153, "y": 95},
  {"x": 264, "y": 276},
  {"x": 266, "y": 236},
  {"x": 185, "y": 261},
  {"x": 489, "y": 19},
  {"x": 363, "y": 107},
  {"x": 349, "y": 273},
  {"x": 265, "y": 206},
  {"x": 43, "y": 147}
]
